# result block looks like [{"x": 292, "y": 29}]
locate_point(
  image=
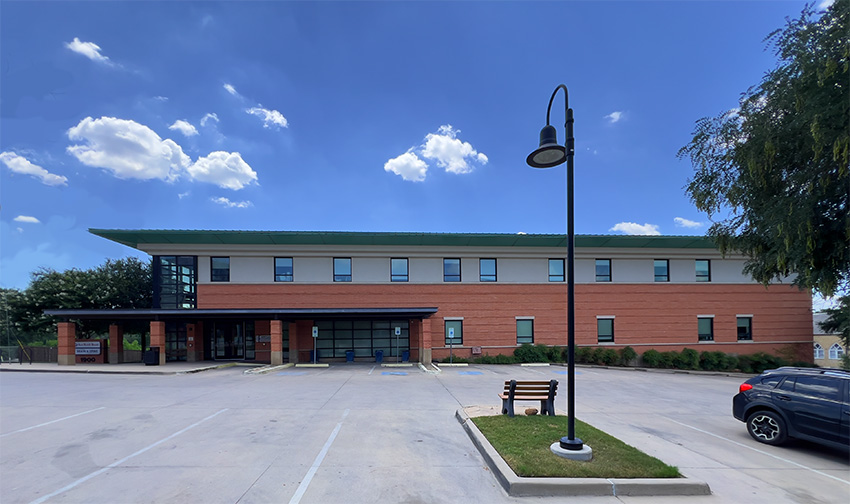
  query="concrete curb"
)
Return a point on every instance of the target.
[
  {"x": 312, "y": 365},
  {"x": 431, "y": 369},
  {"x": 267, "y": 369},
  {"x": 451, "y": 364},
  {"x": 549, "y": 487}
]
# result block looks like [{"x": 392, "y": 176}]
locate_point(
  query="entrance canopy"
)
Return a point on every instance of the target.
[{"x": 266, "y": 313}]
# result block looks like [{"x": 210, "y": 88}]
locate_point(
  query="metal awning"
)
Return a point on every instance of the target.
[{"x": 265, "y": 313}]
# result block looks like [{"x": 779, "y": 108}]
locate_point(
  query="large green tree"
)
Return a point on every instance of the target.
[{"x": 773, "y": 174}]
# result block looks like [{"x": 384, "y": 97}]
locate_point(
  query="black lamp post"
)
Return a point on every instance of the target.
[{"x": 551, "y": 154}]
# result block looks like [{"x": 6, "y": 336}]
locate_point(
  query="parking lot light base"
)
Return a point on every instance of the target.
[
  {"x": 583, "y": 454},
  {"x": 573, "y": 444}
]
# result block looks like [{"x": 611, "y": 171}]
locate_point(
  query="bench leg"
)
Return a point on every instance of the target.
[
  {"x": 510, "y": 408},
  {"x": 551, "y": 407},
  {"x": 504, "y": 406},
  {"x": 544, "y": 407}
]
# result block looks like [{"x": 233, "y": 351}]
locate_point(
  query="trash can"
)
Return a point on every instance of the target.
[
  {"x": 152, "y": 356},
  {"x": 349, "y": 356},
  {"x": 379, "y": 356},
  {"x": 405, "y": 356},
  {"x": 313, "y": 357}
]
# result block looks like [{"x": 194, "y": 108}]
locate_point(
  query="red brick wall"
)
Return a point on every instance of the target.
[{"x": 647, "y": 315}]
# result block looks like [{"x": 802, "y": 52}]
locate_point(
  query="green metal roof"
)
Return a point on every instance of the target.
[{"x": 137, "y": 237}]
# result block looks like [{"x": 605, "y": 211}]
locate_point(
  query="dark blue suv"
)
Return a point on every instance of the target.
[{"x": 803, "y": 403}]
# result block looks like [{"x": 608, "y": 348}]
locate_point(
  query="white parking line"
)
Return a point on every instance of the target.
[
  {"x": 128, "y": 457},
  {"x": 762, "y": 452},
  {"x": 50, "y": 422},
  {"x": 302, "y": 488},
  {"x": 373, "y": 368}
]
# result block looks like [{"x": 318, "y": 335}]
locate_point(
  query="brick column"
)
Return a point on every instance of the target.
[
  {"x": 116, "y": 344},
  {"x": 425, "y": 342},
  {"x": 158, "y": 339},
  {"x": 276, "y": 342},
  {"x": 67, "y": 336}
]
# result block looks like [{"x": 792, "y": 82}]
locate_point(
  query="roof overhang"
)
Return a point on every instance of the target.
[{"x": 263, "y": 313}]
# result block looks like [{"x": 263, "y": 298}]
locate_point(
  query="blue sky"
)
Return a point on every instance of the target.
[{"x": 354, "y": 116}]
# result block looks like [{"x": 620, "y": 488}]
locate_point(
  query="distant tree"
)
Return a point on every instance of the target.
[
  {"x": 838, "y": 320},
  {"x": 776, "y": 169}
]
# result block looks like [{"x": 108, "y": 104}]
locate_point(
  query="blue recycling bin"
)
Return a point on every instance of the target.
[
  {"x": 379, "y": 356},
  {"x": 349, "y": 356},
  {"x": 313, "y": 356},
  {"x": 405, "y": 356}
]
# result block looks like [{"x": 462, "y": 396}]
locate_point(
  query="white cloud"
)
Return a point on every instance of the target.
[
  {"x": 231, "y": 204},
  {"x": 632, "y": 228},
  {"x": 127, "y": 149},
  {"x": 270, "y": 117},
  {"x": 184, "y": 127},
  {"x": 825, "y": 4},
  {"x": 230, "y": 89},
  {"x": 685, "y": 223},
  {"x": 614, "y": 116},
  {"x": 183, "y": 195},
  {"x": 449, "y": 152},
  {"x": 88, "y": 49},
  {"x": 19, "y": 164},
  {"x": 409, "y": 166},
  {"x": 161, "y": 98},
  {"x": 27, "y": 219},
  {"x": 209, "y": 117},
  {"x": 225, "y": 169}
]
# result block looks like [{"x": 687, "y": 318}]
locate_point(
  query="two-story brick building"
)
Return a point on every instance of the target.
[{"x": 257, "y": 296}]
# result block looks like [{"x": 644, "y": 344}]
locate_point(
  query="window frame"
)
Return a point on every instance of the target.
[
  {"x": 749, "y": 319},
  {"x": 488, "y": 278},
  {"x": 604, "y": 278},
  {"x": 599, "y": 336},
  {"x": 214, "y": 271},
  {"x": 342, "y": 277},
  {"x": 399, "y": 278},
  {"x": 283, "y": 278},
  {"x": 705, "y": 337},
  {"x": 451, "y": 278},
  {"x": 456, "y": 341},
  {"x": 563, "y": 276},
  {"x": 656, "y": 276},
  {"x": 837, "y": 350},
  {"x": 819, "y": 351},
  {"x": 525, "y": 339},
  {"x": 702, "y": 277}
]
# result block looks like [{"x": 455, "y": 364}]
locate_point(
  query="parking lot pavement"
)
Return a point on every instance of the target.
[{"x": 356, "y": 433}]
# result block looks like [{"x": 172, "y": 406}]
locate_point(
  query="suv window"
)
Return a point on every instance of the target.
[
  {"x": 817, "y": 386},
  {"x": 771, "y": 381}
]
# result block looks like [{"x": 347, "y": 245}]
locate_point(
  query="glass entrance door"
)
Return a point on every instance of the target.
[{"x": 233, "y": 340}]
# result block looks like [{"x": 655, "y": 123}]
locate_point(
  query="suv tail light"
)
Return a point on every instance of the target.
[{"x": 744, "y": 387}]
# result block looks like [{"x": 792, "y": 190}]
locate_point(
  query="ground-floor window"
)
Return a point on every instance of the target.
[
  {"x": 454, "y": 332},
  {"x": 363, "y": 337},
  {"x": 818, "y": 351},
  {"x": 705, "y": 328},
  {"x": 605, "y": 330},
  {"x": 836, "y": 351},
  {"x": 524, "y": 331}
]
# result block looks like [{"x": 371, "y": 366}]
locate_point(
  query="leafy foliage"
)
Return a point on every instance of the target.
[
  {"x": 838, "y": 320},
  {"x": 777, "y": 167}
]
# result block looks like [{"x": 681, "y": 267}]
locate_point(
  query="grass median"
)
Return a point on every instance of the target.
[{"x": 523, "y": 442}]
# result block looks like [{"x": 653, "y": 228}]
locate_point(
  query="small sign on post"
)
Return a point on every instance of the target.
[
  {"x": 451, "y": 344},
  {"x": 397, "y": 349},
  {"x": 315, "y": 336}
]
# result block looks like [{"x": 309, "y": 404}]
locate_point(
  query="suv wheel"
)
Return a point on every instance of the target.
[{"x": 767, "y": 427}]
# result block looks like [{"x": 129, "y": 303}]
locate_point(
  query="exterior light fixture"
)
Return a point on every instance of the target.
[{"x": 550, "y": 154}]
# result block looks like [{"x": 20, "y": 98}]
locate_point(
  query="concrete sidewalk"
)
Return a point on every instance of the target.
[{"x": 136, "y": 368}]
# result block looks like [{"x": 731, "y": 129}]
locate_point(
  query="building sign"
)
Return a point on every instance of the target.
[
  {"x": 87, "y": 348},
  {"x": 264, "y": 338}
]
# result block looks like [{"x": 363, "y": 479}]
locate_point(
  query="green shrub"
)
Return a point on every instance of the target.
[
  {"x": 761, "y": 361},
  {"x": 455, "y": 359},
  {"x": 668, "y": 359},
  {"x": 627, "y": 355},
  {"x": 495, "y": 359},
  {"x": 582, "y": 355},
  {"x": 609, "y": 357},
  {"x": 710, "y": 361},
  {"x": 728, "y": 362},
  {"x": 745, "y": 364},
  {"x": 652, "y": 358},
  {"x": 555, "y": 354},
  {"x": 532, "y": 353},
  {"x": 132, "y": 345},
  {"x": 687, "y": 359}
]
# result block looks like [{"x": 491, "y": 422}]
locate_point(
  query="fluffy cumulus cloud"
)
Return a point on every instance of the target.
[
  {"x": 614, "y": 116},
  {"x": 271, "y": 118},
  {"x": 225, "y": 169},
  {"x": 225, "y": 202},
  {"x": 27, "y": 219},
  {"x": 88, "y": 49},
  {"x": 127, "y": 149},
  {"x": 130, "y": 150},
  {"x": 20, "y": 164},
  {"x": 633, "y": 228},
  {"x": 409, "y": 166},
  {"x": 685, "y": 223},
  {"x": 184, "y": 127},
  {"x": 450, "y": 152}
]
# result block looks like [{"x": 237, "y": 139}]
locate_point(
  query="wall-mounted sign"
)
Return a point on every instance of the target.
[
  {"x": 264, "y": 338},
  {"x": 87, "y": 348}
]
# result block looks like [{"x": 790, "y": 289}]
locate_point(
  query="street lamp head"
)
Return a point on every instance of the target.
[{"x": 550, "y": 153}]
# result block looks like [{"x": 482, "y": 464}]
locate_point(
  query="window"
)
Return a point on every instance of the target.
[
  {"x": 398, "y": 270},
  {"x": 603, "y": 270},
  {"x": 175, "y": 282},
  {"x": 282, "y": 269},
  {"x": 454, "y": 332},
  {"x": 818, "y": 351},
  {"x": 605, "y": 330},
  {"x": 556, "y": 270},
  {"x": 745, "y": 328},
  {"x": 451, "y": 270},
  {"x": 219, "y": 269},
  {"x": 487, "y": 270},
  {"x": 705, "y": 328},
  {"x": 820, "y": 387},
  {"x": 342, "y": 269},
  {"x": 662, "y": 270},
  {"x": 524, "y": 331},
  {"x": 836, "y": 351},
  {"x": 703, "y": 270}
]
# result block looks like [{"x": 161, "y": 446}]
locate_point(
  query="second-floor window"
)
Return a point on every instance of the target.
[
  {"x": 487, "y": 270},
  {"x": 556, "y": 270},
  {"x": 662, "y": 270},
  {"x": 219, "y": 269},
  {"x": 703, "y": 270},
  {"x": 603, "y": 270},
  {"x": 282, "y": 269},
  {"x": 342, "y": 269},
  {"x": 398, "y": 270},
  {"x": 451, "y": 270}
]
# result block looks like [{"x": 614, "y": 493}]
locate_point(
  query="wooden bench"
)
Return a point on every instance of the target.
[{"x": 543, "y": 391}]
